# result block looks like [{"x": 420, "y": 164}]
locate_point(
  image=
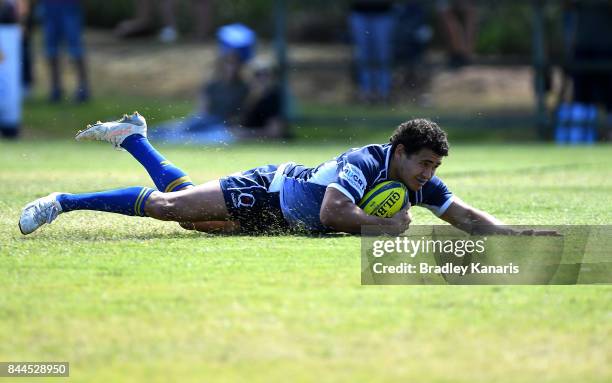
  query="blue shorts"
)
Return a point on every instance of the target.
[
  {"x": 249, "y": 202},
  {"x": 63, "y": 21}
]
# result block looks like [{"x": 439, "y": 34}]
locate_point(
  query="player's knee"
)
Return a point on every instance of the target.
[
  {"x": 161, "y": 206},
  {"x": 187, "y": 225}
]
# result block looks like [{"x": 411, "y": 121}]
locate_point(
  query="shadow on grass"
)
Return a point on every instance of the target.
[{"x": 87, "y": 236}]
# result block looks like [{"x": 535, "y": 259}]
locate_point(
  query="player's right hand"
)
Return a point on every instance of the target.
[{"x": 401, "y": 220}]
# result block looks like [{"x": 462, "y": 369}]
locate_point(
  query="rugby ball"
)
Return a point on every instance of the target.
[{"x": 385, "y": 199}]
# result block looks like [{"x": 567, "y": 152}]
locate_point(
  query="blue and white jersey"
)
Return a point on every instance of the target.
[{"x": 353, "y": 173}]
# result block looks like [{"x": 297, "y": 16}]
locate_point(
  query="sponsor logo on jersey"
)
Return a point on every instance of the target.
[{"x": 353, "y": 175}]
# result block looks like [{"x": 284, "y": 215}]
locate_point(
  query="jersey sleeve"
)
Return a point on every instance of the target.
[
  {"x": 355, "y": 173},
  {"x": 436, "y": 196}
]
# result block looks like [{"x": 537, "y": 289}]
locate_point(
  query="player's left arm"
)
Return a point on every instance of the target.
[
  {"x": 438, "y": 198},
  {"x": 474, "y": 221},
  {"x": 471, "y": 220}
]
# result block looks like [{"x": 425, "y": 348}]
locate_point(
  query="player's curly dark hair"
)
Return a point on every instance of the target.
[{"x": 418, "y": 134}]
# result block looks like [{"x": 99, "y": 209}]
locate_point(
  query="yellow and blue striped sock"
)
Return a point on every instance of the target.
[
  {"x": 128, "y": 201},
  {"x": 165, "y": 175}
]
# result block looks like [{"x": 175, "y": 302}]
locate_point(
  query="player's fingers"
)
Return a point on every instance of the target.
[
  {"x": 404, "y": 211},
  {"x": 400, "y": 213},
  {"x": 548, "y": 233},
  {"x": 403, "y": 214},
  {"x": 405, "y": 208},
  {"x": 532, "y": 232}
]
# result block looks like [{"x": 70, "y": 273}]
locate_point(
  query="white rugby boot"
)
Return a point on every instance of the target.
[
  {"x": 114, "y": 131},
  {"x": 37, "y": 213}
]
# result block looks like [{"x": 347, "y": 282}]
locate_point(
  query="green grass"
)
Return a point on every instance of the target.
[
  {"x": 132, "y": 299},
  {"x": 41, "y": 118},
  {"x": 314, "y": 122}
]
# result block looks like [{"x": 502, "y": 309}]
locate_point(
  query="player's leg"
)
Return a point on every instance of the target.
[
  {"x": 223, "y": 205},
  {"x": 166, "y": 176},
  {"x": 195, "y": 204},
  {"x": 130, "y": 133},
  {"x": 200, "y": 203},
  {"x": 126, "y": 201},
  {"x": 225, "y": 227}
]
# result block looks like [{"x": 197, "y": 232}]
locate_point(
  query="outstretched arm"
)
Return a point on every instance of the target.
[
  {"x": 473, "y": 221},
  {"x": 340, "y": 214}
]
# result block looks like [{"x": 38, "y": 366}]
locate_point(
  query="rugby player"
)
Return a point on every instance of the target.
[{"x": 281, "y": 197}]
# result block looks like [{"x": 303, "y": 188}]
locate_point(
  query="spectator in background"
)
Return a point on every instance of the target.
[
  {"x": 24, "y": 16},
  {"x": 10, "y": 69},
  {"x": 232, "y": 109},
  {"x": 412, "y": 36},
  {"x": 143, "y": 21},
  {"x": 263, "y": 115},
  {"x": 224, "y": 95},
  {"x": 372, "y": 25},
  {"x": 219, "y": 106},
  {"x": 9, "y": 11},
  {"x": 63, "y": 20},
  {"x": 26, "y": 19},
  {"x": 222, "y": 98},
  {"x": 459, "y": 20}
]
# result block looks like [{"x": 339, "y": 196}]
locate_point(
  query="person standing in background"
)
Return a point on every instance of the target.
[
  {"x": 10, "y": 69},
  {"x": 460, "y": 23},
  {"x": 63, "y": 20},
  {"x": 222, "y": 97},
  {"x": 372, "y": 23},
  {"x": 26, "y": 20},
  {"x": 219, "y": 106},
  {"x": 263, "y": 116}
]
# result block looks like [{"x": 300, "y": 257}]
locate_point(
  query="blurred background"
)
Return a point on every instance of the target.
[{"x": 211, "y": 72}]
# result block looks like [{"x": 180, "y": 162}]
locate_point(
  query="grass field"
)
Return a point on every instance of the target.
[{"x": 131, "y": 299}]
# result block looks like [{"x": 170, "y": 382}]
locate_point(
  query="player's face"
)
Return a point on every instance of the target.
[{"x": 414, "y": 170}]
